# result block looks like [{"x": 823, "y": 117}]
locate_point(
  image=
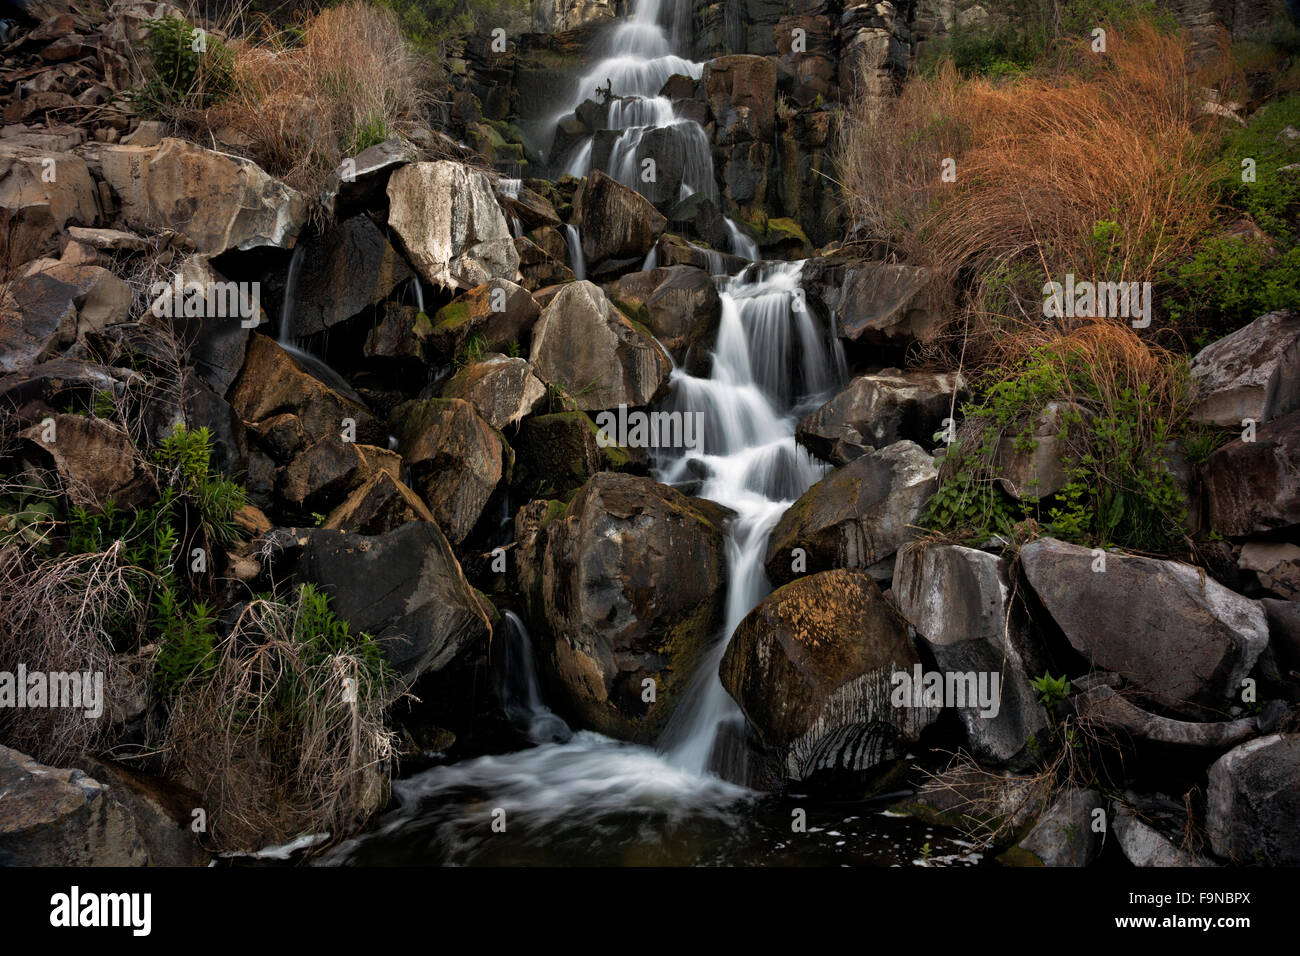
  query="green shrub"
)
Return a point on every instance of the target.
[
  {"x": 1230, "y": 281},
  {"x": 186, "y": 64}
]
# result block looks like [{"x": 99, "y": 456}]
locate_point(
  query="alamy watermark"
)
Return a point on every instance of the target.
[
  {"x": 981, "y": 690},
  {"x": 637, "y": 429},
  {"x": 217, "y": 300},
  {"x": 65, "y": 689},
  {"x": 1096, "y": 300}
]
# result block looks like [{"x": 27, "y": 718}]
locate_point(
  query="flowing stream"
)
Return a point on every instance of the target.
[{"x": 584, "y": 798}]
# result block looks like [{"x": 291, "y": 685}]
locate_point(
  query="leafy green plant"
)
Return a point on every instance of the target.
[
  {"x": 186, "y": 63},
  {"x": 184, "y": 458},
  {"x": 362, "y": 136},
  {"x": 1051, "y": 690},
  {"x": 187, "y": 636}
]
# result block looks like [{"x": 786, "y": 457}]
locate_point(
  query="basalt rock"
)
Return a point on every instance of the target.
[
  {"x": 681, "y": 307},
  {"x": 498, "y": 313},
  {"x": 1253, "y": 801},
  {"x": 615, "y": 222},
  {"x": 1254, "y": 487},
  {"x": 36, "y": 206},
  {"x": 884, "y": 303},
  {"x": 96, "y": 462},
  {"x": 503, "y": 390},
  {"x": 331, "y": 468},
  {"x": 1253, "y": 373}
]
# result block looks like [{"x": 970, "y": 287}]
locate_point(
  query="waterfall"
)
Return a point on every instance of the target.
[
  {"x": 577, "y": 262},
  {"x": 518, "y": 690},
  {"x": 767, "y": 347},
  {"x": 286, "y": 336}
]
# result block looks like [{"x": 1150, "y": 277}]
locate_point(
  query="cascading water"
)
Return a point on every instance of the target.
[
  {"x": 517, "y": 687},
  {"x": 577, "y": 261}
]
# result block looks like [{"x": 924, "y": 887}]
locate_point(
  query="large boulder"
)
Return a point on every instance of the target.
[
  {"x": 959, "y": 601},
  {"x": 329, "y": 469},
  {"x": 681, "y": 306},
  {"x": 1253, "y": 373},
  {"x": 879, "y": 409},
  {"x": 616, "y": 222},
  {"x": 38, "y": 316},
  {"x": 856, "y": 517},
  {"x": 273, "y": 383},
  {"x": 1179, "y": 637},
  {"x": 1253, "y": 802},
  {"x": 885, "y": 303},
  {"x": 498, "y": 313},
  {"x": 377, "y": 506},
  {"x": 595, "y": 353},
  {"x": 1253, "y": 487},
  {"x": 812, "y": 667},
  {"x": 404, "y": 588},
  {"x": 41, "y": 194},
  {"x": 457, "y": 460},
  {"x": 95, "y": 460},
  {"x": 218, "y": 201},
  {"x": 451, "y": 225},
  {"x": 503, "y": 390},
  {"x": 62, "y": 817},
  {"x": 349, "y": 268},
  {"x": 629, "y": 584},
  {"x": 1035, "y": 469},
  {"x": 1065, "y": 835},
  {"x": 1145, "y": 845},
  {"x": 216, "y": 348},
  {"x": 556, "y": 454}
]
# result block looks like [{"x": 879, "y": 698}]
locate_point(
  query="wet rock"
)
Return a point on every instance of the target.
[
  {"x": 350, "y": 267},
  {"x": 450, "y": 224},
  {"x": 615, "y": 222},
  {"x": 883, "y": 303},
  {"x": 959, "y": 601},
  {"x": 379, "y": 505},
  {"x": 331, "y": 468},
  {"x": 273, "y": 383},
  {"x": 812, "y": 669},
  {"x": 503, "y": 390},
  {"x": 216, "y": 347},
  {"x": 402, "y": 332},
  {"x": 499, "y": 313},
  {"x": 1065, "y": 835},
  {"x": 96, "y": 462},
  {"x": 857, "y": 516},
  {"x": 629, "y": 583},
  {"x": 1253, "y": 373},
  {"x": 592, "y": 351},
  {"x": 217, "y": 200},
  {"x": 680, "y": 304},
  {"x": 1181, "y": 638},
  {"x": 879, "y": 409},
  {"x": 61, "y": 817},
  {"x": 405, "y": 588},
  {"x": 457, "y": 460},
  {"x": 1253, "y": 801},
  {"x": 1254, "y": 487}
]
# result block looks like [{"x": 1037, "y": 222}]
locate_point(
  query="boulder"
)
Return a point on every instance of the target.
[
  {"x": 61, "y": 817},
  {"x": 503, "y": 390},
  {"x": 857, "y": 516},
  {"x": 377, "y": 506},
  {"x": 101, "y": 298},
  {"x": 163, "y": 811},
  {"x": 594, "y": 353},
  {"x": 96, "y": 462},
  {"x": 1036, "y": 471},
  {"x": 216, "y": 348},
  {"x": 1065, "y": 834},
  {"x": 349, "y": 268},
  {"x": 402, "y": 333},
  {"x": 615, "y": 222},
  {"x": 959, "y": 602},
  {"x": 273, "y": 383},
  {"x": 1104, "y": 707},
  {"x": 38, "y": 316},
  {"x": 680, "y": 304},
  {"x": 812, "y": 667},
  {"x": 628, "y": 584},
  {"x": 329, "y": 469},
  {"x": 41, "y": 194},
  {"x": 1254, "y": 487},
  {"x": 1144, "y": 845},
  {"x": 1253, "y": 802},
  {"x": 1276, "y": 566},
  {"x": 457, "y": 460},
  {"x": 1284, "y": 630},
  {"x": 450, "y": 225},
  {"x": 359, "y": 182},
  {"x": 1253, "y": 373},
  {"x": 1180, "y": 638},
  {"x": 879, "y": 409},
  {"x": 216, "y": 200},
  {"x": 556, "y": 454},
  {"x": 498, "y": 313},
  {"x": 883, "y": 303}
]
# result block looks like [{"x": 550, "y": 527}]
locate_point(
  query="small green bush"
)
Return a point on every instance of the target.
[{"x": 186, "y": 64}]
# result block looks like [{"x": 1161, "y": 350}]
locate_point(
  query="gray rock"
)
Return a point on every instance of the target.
[
  {"x": 1253, "y": 373},
  {"x": 616, "y": 222},
  {"x": 885, "y": 303},
  {"x": 1254, "y": 487},
  {"x": 1253, "y": 802},
  {"x": 1064, "y": 835},
  {"x": 1144, "y": 845}
]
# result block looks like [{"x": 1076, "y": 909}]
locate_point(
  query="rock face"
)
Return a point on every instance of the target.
[
  {"x": 1064, "y": 835},
  {"x": 216, "y": 200},
  {"x": 879, "y": 409},
  {"x": 681, "y": 304},
  {"x": 594, "y": 353},
  {"x": 404, "y": 588},
  {"x": 616, "y": 222},
  {"x": 503, "y": 390},
  {"x": 811, "y": 667},
  {"x": 629, "y": 583},
  {"x": 499, "y": 312},
  {"x": 351, "y": 267},
  {"x": 958, "y": 599},
  {"x": 1253, "y": 373},
  {"x": 1253, "y": 801},
  {"x": 857, "y": 516},
  {"x": 457, "y": 460},
  {"x": 1035, "y": 472},
  {"x": 560, "y": 16},
  {"x": 272, "y": 383},
  {"x": 36, "y": 206},
  {"x": 741, "y": 90},
  {"x": 61, "y": 817},
  {"x": 1182, "y": 639},
  {"x": 884, "y": 303},
  {"x": 451, "y": 225},
  {"x": 96, "y": 462},
  {"x": 1254, "y": 487}
]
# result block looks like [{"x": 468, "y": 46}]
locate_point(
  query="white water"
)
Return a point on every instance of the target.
[
  {"x": 517, "y": 687},
  {"x": 577, "y": 261}
]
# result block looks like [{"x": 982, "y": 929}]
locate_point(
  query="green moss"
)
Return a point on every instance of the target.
[
  {"x": 452, "y": 316},
  {"x": 1018, "y": 856}
]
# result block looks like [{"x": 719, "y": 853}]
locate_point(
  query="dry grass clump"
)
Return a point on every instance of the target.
[
  {"x": 283, "y": 735},
  {"x": 1099, "y": 165}
]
